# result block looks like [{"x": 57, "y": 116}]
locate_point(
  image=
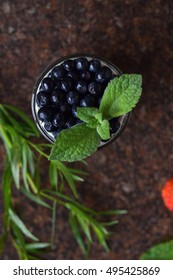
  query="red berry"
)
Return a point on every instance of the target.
[{"x": 167, "y": 194}]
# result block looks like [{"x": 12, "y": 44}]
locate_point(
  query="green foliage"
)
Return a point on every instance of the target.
[
  {"x": 121, "y": 95},
  {"x": 162, "y": 251},
  {"x": 75, "y": 144},
  {"x": 22, "y": 169}
]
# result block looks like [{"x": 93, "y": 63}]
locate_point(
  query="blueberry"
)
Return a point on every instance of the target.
[
  {"x": 58, "y": 120},
  {"x": 85, "y": 75},
  {"x": 81, "y": 86},
  {"x": 74, "y": 75},
  {"x": 47, "y": 84},
  {"x": 74, "y": 111},
  {"x": 103, "y": 75},
  {"x": 69, "y": 65},
  {"x": 49, "y": 126},
  {"x": 58, "y": 72},
  {"x": 114, "y": 76},
  {"x": 70, "y": 122},
  {"x": 67, "y": 84},
  {"x": 64, "y": 108},
  {"x": 114, "y": 125},
  {"x": 94, "y": 65},
  {"x": 95, "y": 88},
  {"x": 43, "y": 98},
  {"x": 88, "y": 101},
  {"x": 73, "y": 98},
  {"x": 57, "y": 96},
  {"x": 45, "y": 113},
  {"x": 57, "y": 131},
  {"x": 57, "y": 84},
  {"x": 82, "y": 64}
]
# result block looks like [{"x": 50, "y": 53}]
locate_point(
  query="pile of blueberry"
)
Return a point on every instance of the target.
[{"x": 73, "y": 83}]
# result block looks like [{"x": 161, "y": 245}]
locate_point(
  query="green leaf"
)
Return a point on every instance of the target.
[
  {"x": 75, "y": 143},
  {"x": 99, "y": 117},
  {"x": 24, "y": 164},
  {"x": 101, "y": 237},
  {"x": 112, "y": 212},
  {"x": 53, "y": 174},
  {"x": 76, "y": 231},
  {"x": 93, "y": 123},
  {"x": 35, "y": 198},
  {"x": 85, "y": 226},
  {"x": 39, "y": 245},
  {"x": 18, "y": 222},
  {"x": 87, "y": 114},
  {"x": 24, "y": 117},
  {"x": 121, "y": 95},
  {"x": 103, "y": 130},
  {"x": 162, "y": 251},
  {"x": 65, "y": 171},
  {"x": 6, "y": 184}
]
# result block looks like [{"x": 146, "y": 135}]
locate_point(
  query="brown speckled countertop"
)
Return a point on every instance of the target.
[{"x": 137, "y": 35}]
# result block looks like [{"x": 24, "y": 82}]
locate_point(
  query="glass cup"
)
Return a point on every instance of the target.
[{"x": 40, "y": 125}]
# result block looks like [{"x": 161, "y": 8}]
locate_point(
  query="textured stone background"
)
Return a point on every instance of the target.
[{"x": 137, "y": 35}]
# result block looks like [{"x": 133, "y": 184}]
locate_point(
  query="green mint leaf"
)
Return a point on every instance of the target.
[
  {"x": 87, "y": 114},
  {"x": 162, "y": 251},
  {"x": 121, "y": 95},
  {"x": 75, "y": 143},
  {"x": 99, "y": 117},
  {"x": 103, "y": 130},
  {"x": 93, "y": 123}
]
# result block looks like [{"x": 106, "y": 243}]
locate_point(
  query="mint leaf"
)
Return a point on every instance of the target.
[
  {"x": 103, "y": 130},
  {"x": 121, "y": 95},
  {"x": 93, "y": 123},
  {"x": 75, "y": 143},
  {"x": 87, "y": 114},
  {"x": 99, "y": 117},
  {"x": 162, "y": 251}
]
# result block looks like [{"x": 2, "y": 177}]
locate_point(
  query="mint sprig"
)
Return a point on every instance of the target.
[
  {"x": 75, "y": 143},
  {"x": 120, "y": 97}
]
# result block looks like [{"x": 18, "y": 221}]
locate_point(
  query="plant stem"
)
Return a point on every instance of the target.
[{"x": 53, "y": 229}]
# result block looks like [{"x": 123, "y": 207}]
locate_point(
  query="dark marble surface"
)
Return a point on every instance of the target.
[{"x": 129, "y": 174}]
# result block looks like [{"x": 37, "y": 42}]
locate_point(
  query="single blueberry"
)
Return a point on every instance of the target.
[
  {"x": 67, "y": 84},
  {"x": 114, "y": 125},
  {"x": 88, "y": 101},
  {"x": 57, "y": 131},
  {"x": 85, "y": 75},
  {"x": 57, "y": 84},
  {"x": 64, "y": 107},
  {"x": 71, "y": 122},
  {"x": 73, "y": 98},
  {"x": 69, "y": 65},
  {"x": 74, "y": 111},
  {"x": 95, "y": 88},
  {"x": 57, "y": 96},
  {"x": 58, "y": 72},
  {"x": 74, "y": 75},
  {"x": 58, "y": 120},
  {"x": 43, "y": 98},
  {"x": 103, "y": 75},
  {"x": 49, "y": 126},
  {"x": 47, "y": 84},
  {"x": 45, "y": 113},
  {"x": 81, "y": 86},
  {"x": 82, "y": 63},
  {"x": 94, "y": 65},
  {"x": 114, "y": 76}
]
